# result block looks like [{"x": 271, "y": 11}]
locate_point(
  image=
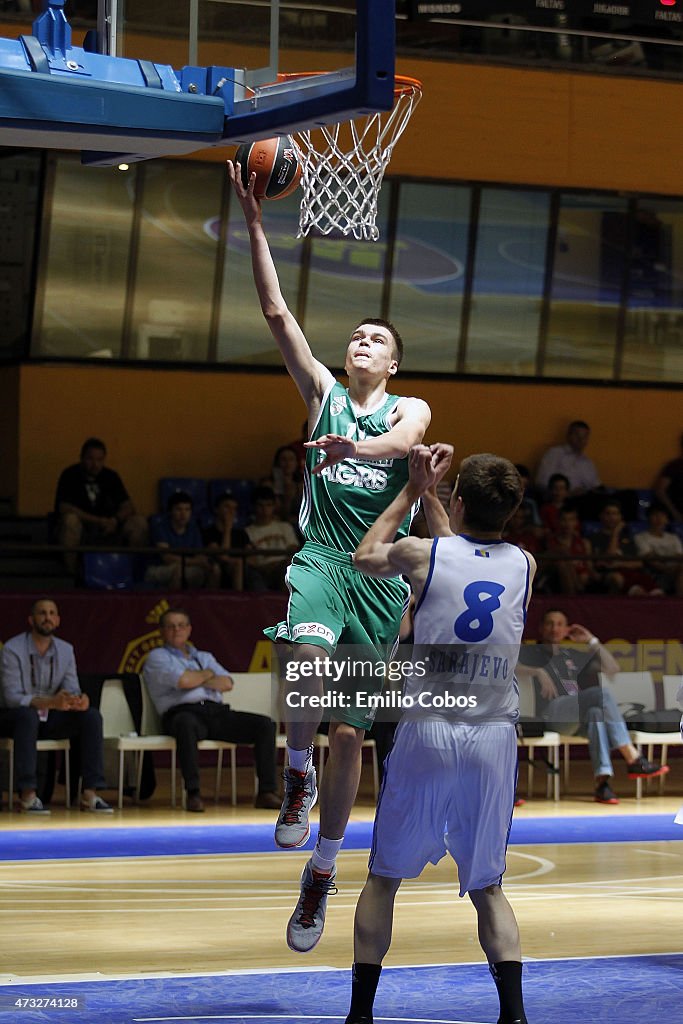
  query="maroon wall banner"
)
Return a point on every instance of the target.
[
  {"x": 644, "y": 633},
  {"x": 115, "y": 632}
]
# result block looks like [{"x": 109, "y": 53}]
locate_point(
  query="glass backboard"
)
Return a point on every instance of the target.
[{"x": 151, "y": 58}]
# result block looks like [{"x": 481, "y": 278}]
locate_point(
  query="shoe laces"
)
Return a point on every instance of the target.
[
  {"x": 296, "y": 794},
  {"x": 321, "y": 885}
]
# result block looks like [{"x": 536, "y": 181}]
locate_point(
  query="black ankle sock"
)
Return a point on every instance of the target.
[
  {"x": 508, "y": 978},
  {"x": 364, "y": 982}
]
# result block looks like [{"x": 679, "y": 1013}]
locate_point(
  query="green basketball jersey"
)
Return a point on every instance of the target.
[{"x": 341, "y": 504}]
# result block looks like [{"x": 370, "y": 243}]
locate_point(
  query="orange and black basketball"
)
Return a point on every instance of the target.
[{"x": 277, "y": 164}]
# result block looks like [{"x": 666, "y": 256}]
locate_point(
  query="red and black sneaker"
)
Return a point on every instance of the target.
[
  {"x": 641, "y": 768},
  {"x": 604, "y": 794}
]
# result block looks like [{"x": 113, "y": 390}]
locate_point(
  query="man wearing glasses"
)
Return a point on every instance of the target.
[{"x": 187, "y": 687}]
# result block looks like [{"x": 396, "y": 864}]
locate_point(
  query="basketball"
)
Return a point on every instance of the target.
[{"x": 277, "y": 164}]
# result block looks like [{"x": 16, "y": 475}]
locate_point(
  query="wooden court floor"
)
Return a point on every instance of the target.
[{"x": 206, "y": 913}]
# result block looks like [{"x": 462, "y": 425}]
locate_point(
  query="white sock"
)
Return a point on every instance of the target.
[
  {"x": 300, "y": 760},
  {"x": 325, "y": 853}
]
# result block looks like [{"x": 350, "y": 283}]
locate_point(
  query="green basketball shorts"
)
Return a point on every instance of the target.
[{"x": 332, "y": 603}]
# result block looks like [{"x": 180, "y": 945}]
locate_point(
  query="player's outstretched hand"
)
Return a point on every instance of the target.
[
  {"x": 248, "y": 201},
  {"x": 336, "y": 448},
  {"x": 421, "y": 470},
  {"x": 442, "y": 456}
]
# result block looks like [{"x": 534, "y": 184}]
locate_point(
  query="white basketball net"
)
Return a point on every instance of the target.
[{"x": 344, "y": 164}]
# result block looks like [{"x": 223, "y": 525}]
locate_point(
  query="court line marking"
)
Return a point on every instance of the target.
[
  {"x": 299, "y": 1017},
  {"x": 64, "y": 979},
  {"x": 658, "y": 853},
  {"x": 141, "y": 907}
]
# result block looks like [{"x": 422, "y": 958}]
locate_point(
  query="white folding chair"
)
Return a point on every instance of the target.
[
  {"x": 568, "y": 741},
  {"x": 670, "y": 686},
  {"x": 549, "y": 741},
  {"x": 220, "y": 746},
  {"x": 634, "y": 692},
  {"x": 257, "y": 693},
  {"x": 321, "y": 742},
  {"x": 120, "y": 734},
  {"x": 7, "y": 744}
]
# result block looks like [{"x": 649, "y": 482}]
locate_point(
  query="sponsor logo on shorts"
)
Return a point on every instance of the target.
[{"x": 314, "y": 629}]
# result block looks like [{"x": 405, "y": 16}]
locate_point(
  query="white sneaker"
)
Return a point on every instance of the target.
[
  {"x": 34, "y": 806},
  {"x": 292, "y": 828},
  {"x": 306, "y": 924},
  {"x": 96, "y": 806}
]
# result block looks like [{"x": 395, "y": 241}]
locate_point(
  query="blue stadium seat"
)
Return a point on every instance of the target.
[
  {"x": 645, "y": 499},
  {"x": 192, "y": 485},
  {"x": 637, "y": 526},
  {"x": 107, "y": 570},
  {"x": 242, "y": 491}
]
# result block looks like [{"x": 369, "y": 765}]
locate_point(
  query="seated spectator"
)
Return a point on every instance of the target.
[
  {"x": 186, "y": 687},
  {"x": 299, "y": 448},
  {"x": 92, "y": 505},
  {"x": 571, "y": 701},
  {"x": 668, "y": 487},
  {"x": 267, "y": 572},
  {"x": 614, "y": 541},
  {"x": 574, "y": 575},
  {"x": 287, "y": 484},
  {"x": 42, "y": 700},
  {"x": 656, "y": 546},
  {"x": 177, "y": 529},
  {"x": 569, "y": 459},
  {"x": 520, "y": 530},
  {"x": 558, "y": 492},
  {"x": 528, "y": 500},
  {"x": 222, "y": 536}
]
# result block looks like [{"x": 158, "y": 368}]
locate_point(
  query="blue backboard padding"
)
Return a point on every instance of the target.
[
  {"x": 13, "y": 56},
  {"x": 89, "y": 66},
  {"x": 34, "y": 100},
  {"x": 112, "y": 841}
]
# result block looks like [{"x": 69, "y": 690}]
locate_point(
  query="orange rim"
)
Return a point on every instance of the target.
[{"x": 403, "y": 84}]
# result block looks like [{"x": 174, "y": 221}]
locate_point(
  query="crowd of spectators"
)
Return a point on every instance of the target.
[
  {"x": 586, "y": 537},
  {"x": 579, "y": 531}
]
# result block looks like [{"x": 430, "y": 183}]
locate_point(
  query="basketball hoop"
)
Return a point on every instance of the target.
[{"x": 344, "y": 164}]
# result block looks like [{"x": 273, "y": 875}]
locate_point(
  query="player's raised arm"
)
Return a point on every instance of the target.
[
  {"x": 435, "y": 514},
  {"x": 412, "y": 419},
  {"x": 378, "y": 554},
  {"x": 309, "y": 375}
]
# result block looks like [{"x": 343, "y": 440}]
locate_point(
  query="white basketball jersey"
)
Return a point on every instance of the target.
[{"x": 468, "y": 628}]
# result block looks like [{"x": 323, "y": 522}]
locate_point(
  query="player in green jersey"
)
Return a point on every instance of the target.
[{"x": 356, "y": 464}]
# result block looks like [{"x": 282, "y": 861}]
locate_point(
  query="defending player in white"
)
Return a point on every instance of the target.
[{"x": 449, "y": 782}]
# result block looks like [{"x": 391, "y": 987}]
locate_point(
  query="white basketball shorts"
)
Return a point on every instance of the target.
[{"x": 448, "y": 787}]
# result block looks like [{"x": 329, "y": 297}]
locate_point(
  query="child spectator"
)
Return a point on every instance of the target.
[
  {"x": 573, "y": 575},
  {"x": 558, "y": 492},
  {"x": 657, "y": 547},
  {"x": 618, "y": 568}
]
